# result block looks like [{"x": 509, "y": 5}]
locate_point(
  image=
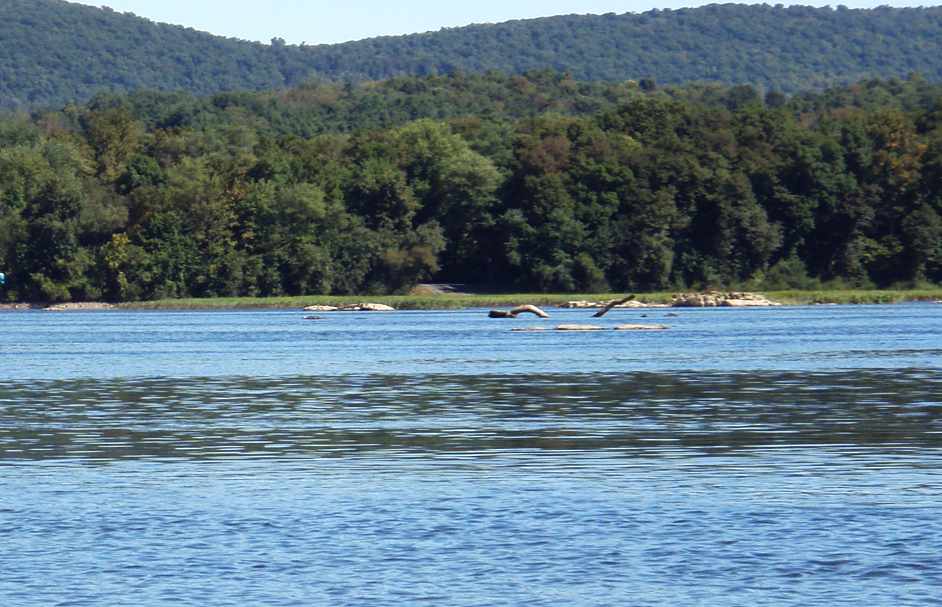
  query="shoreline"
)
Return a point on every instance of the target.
[{"x": 449, "y": 301}]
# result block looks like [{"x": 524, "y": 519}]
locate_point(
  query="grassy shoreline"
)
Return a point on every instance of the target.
[{"x": 455, "y": 302}]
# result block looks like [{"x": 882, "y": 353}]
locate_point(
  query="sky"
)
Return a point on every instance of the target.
[{"x": 329, "y": 21}]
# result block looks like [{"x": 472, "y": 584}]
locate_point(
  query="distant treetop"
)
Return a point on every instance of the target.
[{"x": 55, "y": 52}]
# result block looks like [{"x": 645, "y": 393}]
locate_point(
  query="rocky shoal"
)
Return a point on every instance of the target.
[
  {"x": 359, "y": 307},
  {"x": 712, "y": 299},
  {"x": 79, "y": 307}
]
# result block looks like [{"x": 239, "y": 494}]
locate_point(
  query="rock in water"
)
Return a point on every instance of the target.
[
  {"x": 595, "y": 328},
  {"x": 747, "y": 300},
  {"x": 641, "y": 328},
  {"x": 714, "y": 299},
  {"x": 16, "y": 306},
  {"x": 357, "y": 307},
  {"x": 80, "y": 307},
  {"x": 371, "y": 307},
  {"x": 582, "y": 304}
]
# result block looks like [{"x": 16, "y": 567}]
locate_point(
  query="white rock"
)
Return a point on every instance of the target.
[
  {"x": 86, "y": 306},
  {"x": 716, "y": 299},
  {"x": 582, "y": 303},
  {"x": 601, "y": 304},
  {"x": 367, "y": 307},
  {"x": 747, "y": 303}
]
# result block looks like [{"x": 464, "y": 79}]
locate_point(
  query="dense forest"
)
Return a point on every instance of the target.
[
  {"x": 370, "y": 188},
  {"x": 54, "y": 52}
]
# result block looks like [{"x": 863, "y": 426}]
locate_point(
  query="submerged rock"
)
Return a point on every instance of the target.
[
  {"x": 594, "y": 328},
  {"x": 579, "y": 328}
]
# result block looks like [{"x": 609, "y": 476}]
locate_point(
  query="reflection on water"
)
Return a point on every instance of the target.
[
  {"x": 470, "y": 417},
  {"x": 575, "y": 489}
]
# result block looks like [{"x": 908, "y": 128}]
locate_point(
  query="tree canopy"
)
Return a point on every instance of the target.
[
  {"x": 336, "y": 189},
  {"x": 55, "y": 52}
]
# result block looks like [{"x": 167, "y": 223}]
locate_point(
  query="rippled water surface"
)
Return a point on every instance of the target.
[{"x": 784, "y": 456}]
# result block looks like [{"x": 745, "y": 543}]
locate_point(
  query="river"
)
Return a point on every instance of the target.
[{"x": 786, "y": 456}]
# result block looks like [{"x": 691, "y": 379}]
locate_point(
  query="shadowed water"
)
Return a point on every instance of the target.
[
  {"x": 787, "y": 457},
  {"x": 468, "y": 419}
]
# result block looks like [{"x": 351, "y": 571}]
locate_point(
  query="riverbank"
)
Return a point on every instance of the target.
[
  {"x": 852, "y": 296},
  {"x": 448, "y": 301}
]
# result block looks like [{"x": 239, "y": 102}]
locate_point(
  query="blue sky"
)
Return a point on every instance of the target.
[{"x": 327, "y": 21}]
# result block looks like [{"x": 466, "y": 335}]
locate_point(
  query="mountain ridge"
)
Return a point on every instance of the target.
[{"x": 55, "y": 52}]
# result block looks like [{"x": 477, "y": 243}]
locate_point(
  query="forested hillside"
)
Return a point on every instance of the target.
[
  {"x": 54, "y": 52},
  {"x": 360, "y": 189}
]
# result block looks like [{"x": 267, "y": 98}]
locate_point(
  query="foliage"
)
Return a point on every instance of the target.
[
  {"x": 56, "y": 52},
  {"x": 153, "y": 196}
]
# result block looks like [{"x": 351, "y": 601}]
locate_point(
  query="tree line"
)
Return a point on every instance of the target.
[
  {"x": 153, "y": 195},
  {"x": 56, "y": 52}
]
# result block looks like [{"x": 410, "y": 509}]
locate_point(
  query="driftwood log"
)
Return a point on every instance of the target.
[
  {"x": 518, "y": 310},
  {"x": 612, "y": 304}
]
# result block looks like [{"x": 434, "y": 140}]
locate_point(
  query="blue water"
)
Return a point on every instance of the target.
[
  {"x": 786, "y": 456},
  {"x": 98, "y": 345}
]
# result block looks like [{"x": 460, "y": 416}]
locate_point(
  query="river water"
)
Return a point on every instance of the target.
[{"x": 786, "y": 456}]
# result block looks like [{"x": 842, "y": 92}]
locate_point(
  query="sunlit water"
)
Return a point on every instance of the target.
[{"x": 783, "y": 456}]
